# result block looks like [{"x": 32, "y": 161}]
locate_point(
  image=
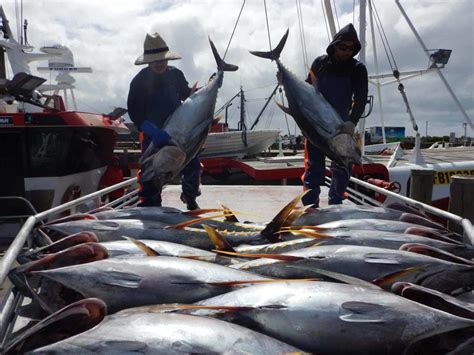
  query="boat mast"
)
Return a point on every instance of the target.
[
  {"x": 362, "y": 15},
  {"x": 330, "y": 17},
  {"x": 242, "y": 125},
  {"x": 377, "y": 72},
  {"x": 264, "y": 107}
]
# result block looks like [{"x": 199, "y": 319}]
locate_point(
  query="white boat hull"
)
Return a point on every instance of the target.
[{"x": 231, "y": 144}]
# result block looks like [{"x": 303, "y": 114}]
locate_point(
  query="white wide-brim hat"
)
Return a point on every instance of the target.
[{"x": 155, "y": 49}]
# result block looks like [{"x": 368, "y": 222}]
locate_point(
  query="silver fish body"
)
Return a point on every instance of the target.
[
  {"x": 115, "y": 229},
  {"x": 126, "y": 248},
  {"x": 188, "y": 127},
  {"x": 152, "y": 333},
  {"x": 331, "y": 318},
  {"x": 318, "y": 120},
  {"x": 136, "y": 281},
  {"x": 366, "y": 263}
]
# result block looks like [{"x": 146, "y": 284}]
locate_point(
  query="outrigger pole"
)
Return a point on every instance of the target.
[{"x": 443, "y": 79}]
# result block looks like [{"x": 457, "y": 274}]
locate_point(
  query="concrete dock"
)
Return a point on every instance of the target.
[{"x": 256, "y": 203}]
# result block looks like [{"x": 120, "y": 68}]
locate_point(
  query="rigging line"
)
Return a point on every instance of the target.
[
  {"x": 337, "y": 17},
  {"x": 326, "y": 21},
  {"x": 353, "y": 11},
  {"x": 301, "y": 34},
  {"x": 233, "y": 31},
  {"x": 17, "y": 18},
  {"x": 303, "y": 38},
  {"x": 383, "y": 31},
  {"x": 384, "y": 45},
  {"x": 268, "y": 26}
]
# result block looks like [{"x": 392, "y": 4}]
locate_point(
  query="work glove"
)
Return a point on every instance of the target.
[
  {"x": 347, "y": 127},
  {"x": 159, "y": 136}
]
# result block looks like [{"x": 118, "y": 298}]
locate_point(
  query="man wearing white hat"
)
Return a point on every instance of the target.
[{"x": 155, "y": 92}]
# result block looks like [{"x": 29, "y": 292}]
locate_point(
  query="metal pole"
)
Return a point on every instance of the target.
[
  {"x": 332, "y": 25},
  {"x": 453, "y": 95},
  {"x": 377, "y": 81},
  {"x": 362, "y": 16}
]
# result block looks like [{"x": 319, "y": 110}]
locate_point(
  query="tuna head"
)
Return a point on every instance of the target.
[
  {"x": 346, "y": 150},
  {"x": 165, "y": 165}
]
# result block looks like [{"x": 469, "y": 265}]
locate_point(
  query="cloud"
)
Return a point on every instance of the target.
[{"x": 108, "y": 36}]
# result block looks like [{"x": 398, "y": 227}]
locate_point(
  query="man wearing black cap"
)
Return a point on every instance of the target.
[{"x": 343, "y": 82}]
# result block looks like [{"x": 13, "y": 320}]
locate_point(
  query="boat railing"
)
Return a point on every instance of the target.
[
  {"x": 468, "y": 230},
  {"x": 11, "y": 299}
]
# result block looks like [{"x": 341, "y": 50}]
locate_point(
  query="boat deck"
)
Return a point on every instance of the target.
[{"x": 256, "y": 203}]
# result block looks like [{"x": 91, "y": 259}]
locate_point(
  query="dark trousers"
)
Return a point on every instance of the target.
[
  {"x": 313, "y": 177},
  {"x": 150, "y": 194}
]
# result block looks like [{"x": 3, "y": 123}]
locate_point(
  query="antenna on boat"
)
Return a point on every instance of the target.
[{"x": 63, "y": 64}]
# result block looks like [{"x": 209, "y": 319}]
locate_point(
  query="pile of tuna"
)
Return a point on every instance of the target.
[{"x": 335, "y": 280}]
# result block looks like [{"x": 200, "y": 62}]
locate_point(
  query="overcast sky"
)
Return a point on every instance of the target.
[{"x": 108, "y": 36}]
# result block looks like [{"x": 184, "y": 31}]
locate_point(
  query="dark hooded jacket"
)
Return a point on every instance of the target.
[{"x": 343, "y": 84}]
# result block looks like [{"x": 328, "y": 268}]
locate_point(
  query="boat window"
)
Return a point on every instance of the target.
[
  {"x": 59, "y": 151},
  {"x": 48, "y": 149},
  {"x": 44, "y": 119}
]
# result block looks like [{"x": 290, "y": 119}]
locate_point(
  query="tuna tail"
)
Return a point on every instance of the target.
[
  {"x": 274, "y": 54},
  {"x": 221, "y": 65}
]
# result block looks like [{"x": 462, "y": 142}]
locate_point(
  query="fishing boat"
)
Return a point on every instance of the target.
[
  {"x": 225, "y": 142},
  {"x": 236, "y": 143},
  {"x": 49, "y": 154}
]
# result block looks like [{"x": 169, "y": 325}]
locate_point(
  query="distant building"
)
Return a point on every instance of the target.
[{"x": 392, "y": 134}]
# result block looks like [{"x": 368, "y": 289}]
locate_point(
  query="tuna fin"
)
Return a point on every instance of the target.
[
  {"x": 434, "y": 299},
  {"x": 391, "y": 278},
  {"x": 201, "y": 211},
  {"x": 276, "y": 223},
  {"x": 143, "y": 247},
  {"x": 314, "y": 79},
  {"x": 306, "y": 233},
  {"x": 230, "y": 215},
  {"x": 194, "y": 88},
  {"x": 185, "y": 224},
  {"x": 253, "y": 282},
  {"x": 221, "y": 65},
  {"x": 309, "y": 228},
  {"x": 219, "y": 242},
  {"x": 274, "y": 54},
  {"x": 363, "y": 312},
  {"x": 283, "y": 108},
  {"x": 435, "y": 253},
  {"x": 121, "y": 279},
  {"x": 335, "y": 276},
  {"x": 216, "y": 308},
  {"x": 294, "y": 215},
  {"x": 281, "y": 257}
]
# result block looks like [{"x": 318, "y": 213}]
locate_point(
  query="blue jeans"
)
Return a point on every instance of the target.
[{"x": 314, "y": 178}]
